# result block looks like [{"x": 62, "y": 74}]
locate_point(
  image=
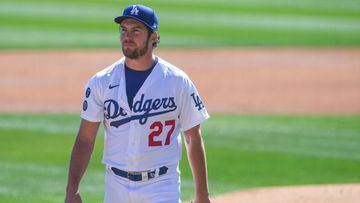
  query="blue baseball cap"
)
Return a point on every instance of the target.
[{"x": 140, "y": 13}]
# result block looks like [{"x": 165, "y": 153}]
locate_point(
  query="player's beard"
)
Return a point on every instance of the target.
[{"x": 136, "y": 52}]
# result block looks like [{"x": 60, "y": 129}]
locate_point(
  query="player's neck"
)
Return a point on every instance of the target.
[{"x": 141, "y": 64}]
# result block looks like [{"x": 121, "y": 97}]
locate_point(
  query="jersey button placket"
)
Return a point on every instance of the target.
[{"x": 132, "y": 143}]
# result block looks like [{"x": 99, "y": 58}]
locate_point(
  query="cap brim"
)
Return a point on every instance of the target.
[{"x": 119, "y": 19}]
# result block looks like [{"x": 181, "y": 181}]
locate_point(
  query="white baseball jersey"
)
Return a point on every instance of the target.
[{"x": 148, "y": 135}]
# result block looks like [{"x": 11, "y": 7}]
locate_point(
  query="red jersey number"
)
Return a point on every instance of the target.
[{"x": 157, "y": 126}]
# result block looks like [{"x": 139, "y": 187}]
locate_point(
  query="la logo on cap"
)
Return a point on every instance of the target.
[{"x": 134, "y": 10}]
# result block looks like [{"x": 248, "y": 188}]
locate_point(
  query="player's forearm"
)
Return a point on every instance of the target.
[
  {"x": 196, "y": 156},
  {"x": 79, "y": 161}
]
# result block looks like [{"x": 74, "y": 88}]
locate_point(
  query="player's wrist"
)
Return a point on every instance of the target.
[
  {"x": 202, "y": 196},
  {"x": 73, "y": 198},
  {"x": 203, "y": 199},
  {"x": 72, "y": 190},
  {"x": 202, "y": 191}
]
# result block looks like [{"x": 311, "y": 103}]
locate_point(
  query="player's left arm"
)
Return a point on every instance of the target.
[{"x": 197, "y": 160}]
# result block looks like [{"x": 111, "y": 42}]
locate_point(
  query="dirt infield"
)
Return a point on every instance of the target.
[
  {"x": 253, "y": 80},
  {"x": 296, "y": 194}
]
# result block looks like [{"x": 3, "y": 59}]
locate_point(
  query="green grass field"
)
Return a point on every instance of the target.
[
  {"x": 89, "y": 24},
  {"x": 243, "y": 151}
]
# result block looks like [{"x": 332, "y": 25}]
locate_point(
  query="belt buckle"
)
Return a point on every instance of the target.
[{"x": 144, "y": 176}]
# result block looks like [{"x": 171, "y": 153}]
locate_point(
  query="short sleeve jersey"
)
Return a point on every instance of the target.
[{"x": 146, "y": 136}]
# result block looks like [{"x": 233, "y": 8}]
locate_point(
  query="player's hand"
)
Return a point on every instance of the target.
[
  {"x": 73, "y": 198},
  {"x": 202, "y": 200}
]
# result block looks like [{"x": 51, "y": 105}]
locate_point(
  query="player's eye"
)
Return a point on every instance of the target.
[{"x": 122, "y": 30}]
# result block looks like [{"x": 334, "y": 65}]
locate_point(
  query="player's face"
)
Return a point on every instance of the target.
[{"x": 134, "y": 38}]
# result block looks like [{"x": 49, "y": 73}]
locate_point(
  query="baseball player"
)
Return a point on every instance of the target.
[{"x": 144, "y": 103}]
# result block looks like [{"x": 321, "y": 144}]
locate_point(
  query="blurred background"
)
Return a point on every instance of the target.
[
  {"x": 281, "y": 79},
  {"x": 88, "y": 24}
]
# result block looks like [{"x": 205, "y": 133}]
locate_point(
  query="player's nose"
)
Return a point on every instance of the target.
[
  {"x": 127, "y": 34},
  {"x": 127, "y": 39}
]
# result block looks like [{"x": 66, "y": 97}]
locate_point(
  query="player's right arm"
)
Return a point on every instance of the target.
[{"x": 80, "y": 157}]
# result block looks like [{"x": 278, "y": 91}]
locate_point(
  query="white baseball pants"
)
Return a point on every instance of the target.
[{"x": 161, "y": 189}]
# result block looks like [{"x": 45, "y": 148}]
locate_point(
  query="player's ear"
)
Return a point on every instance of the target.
[
  {"x": 155, "y": 38},
  {"x": 158, "y": 39}
]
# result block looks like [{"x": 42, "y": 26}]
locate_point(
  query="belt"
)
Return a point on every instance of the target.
[{"x": 139, "y": 175}]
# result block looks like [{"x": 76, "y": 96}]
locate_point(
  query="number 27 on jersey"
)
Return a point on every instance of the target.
[{"x": 157, "y": 128}]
